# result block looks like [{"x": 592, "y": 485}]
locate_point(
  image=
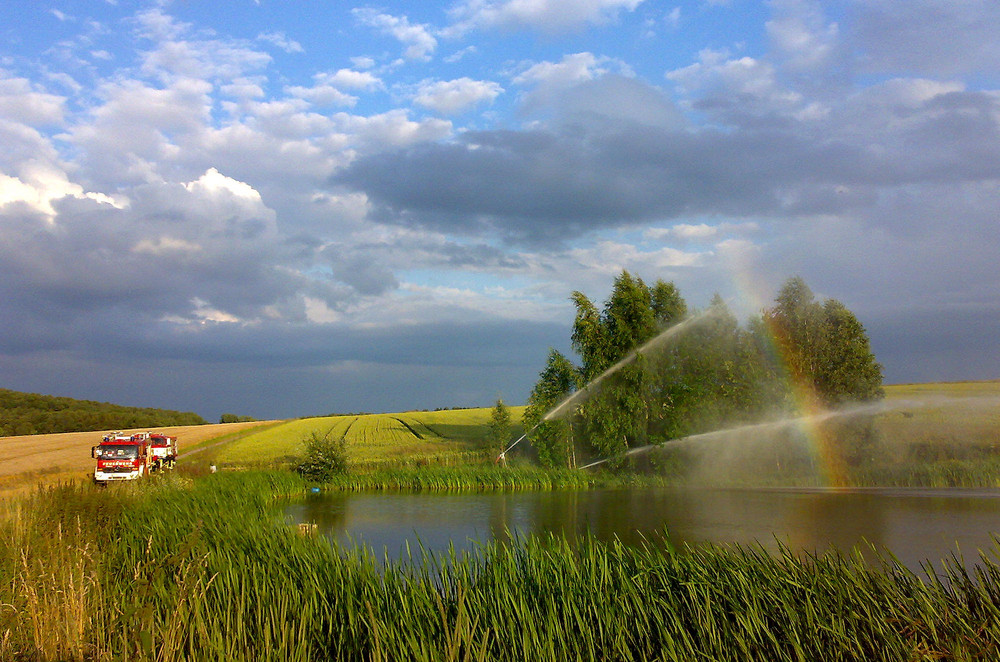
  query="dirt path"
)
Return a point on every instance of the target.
[{"x": 44, "y": 454}]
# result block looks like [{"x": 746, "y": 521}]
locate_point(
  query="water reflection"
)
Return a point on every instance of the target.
[{"x": 915, "y": 525}]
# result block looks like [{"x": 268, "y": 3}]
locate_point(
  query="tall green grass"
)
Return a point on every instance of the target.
[
  {"x": 475, "y": 477},
  {"x": 176, "y": 569}
]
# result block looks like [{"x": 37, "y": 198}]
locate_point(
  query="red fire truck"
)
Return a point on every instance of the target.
[
  {"x": 124, "y": 456},
  {"x": 163, "y": 450}
]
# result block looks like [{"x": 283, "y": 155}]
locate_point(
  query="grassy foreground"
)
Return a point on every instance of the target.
[{"x": 177, "y": 569}]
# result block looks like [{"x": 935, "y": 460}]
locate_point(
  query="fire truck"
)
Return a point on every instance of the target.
[
  {"x": 124, "y": 456},
  {"x": 163, "y": 450}
]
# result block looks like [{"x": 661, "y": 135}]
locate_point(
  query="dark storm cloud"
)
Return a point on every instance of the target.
[
  {"x": 540, "y": 186},
  {"x": 945, "y": 342},
  {"x": 283, "y": 370},
  {"x": 550, "y": 184}
]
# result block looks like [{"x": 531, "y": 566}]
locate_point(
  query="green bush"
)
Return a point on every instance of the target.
[{"x": 325, "y": 457}]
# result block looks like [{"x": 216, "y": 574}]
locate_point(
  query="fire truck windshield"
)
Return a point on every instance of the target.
[{"x": 114, "y": 451}]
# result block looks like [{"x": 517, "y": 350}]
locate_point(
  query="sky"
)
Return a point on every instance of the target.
[{"x": 287, "y": 208}]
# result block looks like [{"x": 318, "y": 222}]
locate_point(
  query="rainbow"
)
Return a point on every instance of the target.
[{"x": 809, "y": 411}]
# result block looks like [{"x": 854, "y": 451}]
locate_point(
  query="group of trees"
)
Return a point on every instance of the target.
[
  {"x": 639, "y": 383},
  {"x": 236, "y": 418},
  {"x": 32, "y": 413}
]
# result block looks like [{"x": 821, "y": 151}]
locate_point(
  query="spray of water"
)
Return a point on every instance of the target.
[
  {"x": 742, "y": 433},
  {"x": 768, "y": 427},
  {"x": 657, "y": 341}
]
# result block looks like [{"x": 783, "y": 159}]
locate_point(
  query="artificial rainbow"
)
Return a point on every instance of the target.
[{"x": 823, "y": 447}]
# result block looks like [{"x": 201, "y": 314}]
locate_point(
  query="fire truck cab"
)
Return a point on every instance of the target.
[{"x": 121, "y": 456}]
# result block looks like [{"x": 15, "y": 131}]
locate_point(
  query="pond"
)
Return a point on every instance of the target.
[{"x": 913, "y": 524}]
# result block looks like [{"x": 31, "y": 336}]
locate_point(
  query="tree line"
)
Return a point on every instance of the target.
[
  {"x": 712, "y": 372},
  {"x": 32, "y": 413}
]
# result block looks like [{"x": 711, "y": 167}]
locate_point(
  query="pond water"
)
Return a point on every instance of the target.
[{"x": 915, "y": 525}]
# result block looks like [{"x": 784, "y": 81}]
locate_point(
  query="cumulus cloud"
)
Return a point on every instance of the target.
[
  {"x": 802, "y": 36},
  {"x": 418, "y": 39},
  {"x": 742, "y": 91},
  {"x": 21, "y": 101},
  {"x": 176, "y": 53},
  {"x": 572, "y": 69},
  {"x": 329, "y": 86},
  {"x": 451, "y": 97},
  {"x": 44, "y": 184}
]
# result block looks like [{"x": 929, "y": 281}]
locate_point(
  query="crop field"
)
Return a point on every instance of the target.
[
  {"x": 935, "y": 417},
  {"x": 372, "y": 439},
  {"x": 49, "y": 457}
]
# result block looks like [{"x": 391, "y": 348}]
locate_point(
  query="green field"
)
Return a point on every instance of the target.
[
  {"x": 404, "y": 439},
  {"x": 943, "y": 434}
]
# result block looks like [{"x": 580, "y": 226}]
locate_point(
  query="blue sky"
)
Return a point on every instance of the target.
[{"x": 292, "y": 208}]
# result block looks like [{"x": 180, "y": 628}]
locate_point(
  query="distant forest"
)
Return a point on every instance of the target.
[{"x": 31, "y": 413}]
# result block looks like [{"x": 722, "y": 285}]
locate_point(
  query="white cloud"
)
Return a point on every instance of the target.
[
  {"x": 322, "y": 95},
  {"x": 450, "y": 97},
  {"x": 611, "y": 257},
  {"x": 700, "y": 231},
  {"x": 243, "y": 88},
  {"x": 20, "y": 101},
  {"x": 544, "y": 15},
  {"x": 460, "y": 54},
  {"x": 281, "y": 40},
  {"x": 673, "y": 17},
  {"x": 801, "y": 34},
  {"x": 319, "y": 312},
  {"x": 214, "y": 182},
  {"x": 363, "y": 62},
  {"x": 40, "y": 185},
  {"x": 176, "y": 55},
  {"x": 570, "y": 70},
  {"x": 206, "y": 313},
  {"x": 741, "y": 90},
  {"x": 350, "y": 79},
  {"x": 328, "y": 89},
  {"x": 393, "y": 128},
  {"x": 418, "y": 40}
]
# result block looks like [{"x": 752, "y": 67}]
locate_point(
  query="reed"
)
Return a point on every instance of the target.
[
  {"x": 208, "y": 570},
  {"x": 471, "y": 477}
]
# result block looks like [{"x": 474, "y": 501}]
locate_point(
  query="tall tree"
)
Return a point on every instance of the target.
[
  {"x": 668, "y": 305},
  {"x": 498, "y": 429},
  {"x": 589, "y": 338},
  {"x": 847, "y": 370},
  {"x": 552, "y": 439},
  {"x": 628, "y": 316},
  {"x": 824, "y": 346}
]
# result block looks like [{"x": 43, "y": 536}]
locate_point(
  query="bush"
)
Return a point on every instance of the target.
[{"x": 325, "y": 457}]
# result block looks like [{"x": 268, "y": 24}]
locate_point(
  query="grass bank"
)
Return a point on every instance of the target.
[
  {"x": 485, "y": 477},
  {"x": 181, "y": 569}
]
